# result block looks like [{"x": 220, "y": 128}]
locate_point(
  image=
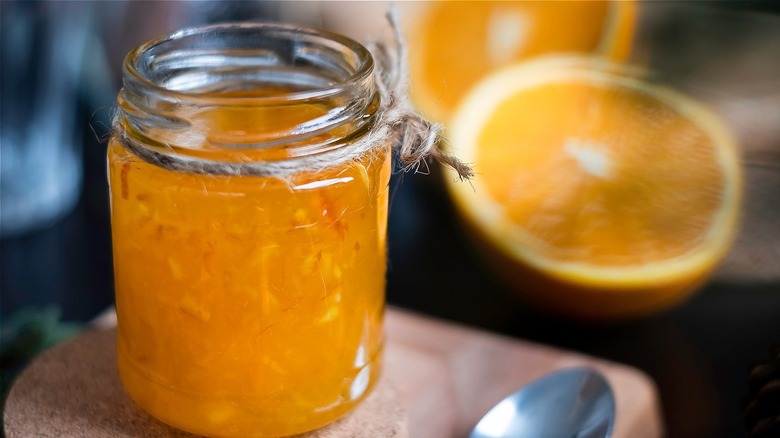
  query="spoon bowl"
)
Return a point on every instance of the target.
[{"x": 568, "y": 403}]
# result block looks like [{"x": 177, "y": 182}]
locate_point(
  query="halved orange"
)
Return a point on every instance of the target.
[
  {"x": 453, "y": 44},
  {"x": 602, "y": 194}
]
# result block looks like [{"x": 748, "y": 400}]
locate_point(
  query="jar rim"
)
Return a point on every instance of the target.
[
  {"x": 362, "y": 72},
  {"x": 174, "y": 84}
]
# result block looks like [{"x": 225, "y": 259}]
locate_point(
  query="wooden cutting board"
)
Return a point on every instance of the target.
[
  {"x": 451, "y": 375},
  {"x": 440, "y": 378}
]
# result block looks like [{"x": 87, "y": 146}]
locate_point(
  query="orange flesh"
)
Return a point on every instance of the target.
[
  {"x": 454, "y": 41},
  {"x": 248, "y": 306},
  {"x": 617, "y": 217}
]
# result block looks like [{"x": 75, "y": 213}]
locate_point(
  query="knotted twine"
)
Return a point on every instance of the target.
[
  {"x": 413, "y": 138},
  {"x": 416, "y": 138}
]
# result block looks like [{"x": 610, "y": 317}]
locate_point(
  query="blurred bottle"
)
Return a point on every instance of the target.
[{"x": 43, "y": 46}]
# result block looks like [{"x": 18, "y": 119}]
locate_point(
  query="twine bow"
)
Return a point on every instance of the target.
[{"x": 417, "y": 138}]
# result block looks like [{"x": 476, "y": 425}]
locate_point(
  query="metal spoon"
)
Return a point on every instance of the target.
[{"x": 569, "y": 403}]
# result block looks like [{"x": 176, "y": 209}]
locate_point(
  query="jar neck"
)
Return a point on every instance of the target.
[{"x": 247, "y": 93}]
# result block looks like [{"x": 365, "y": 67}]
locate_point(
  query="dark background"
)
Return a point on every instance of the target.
[{"x": 699, "y": 354}]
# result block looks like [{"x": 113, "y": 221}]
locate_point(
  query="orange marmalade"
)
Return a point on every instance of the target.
[{"x": 249, "y": 303}]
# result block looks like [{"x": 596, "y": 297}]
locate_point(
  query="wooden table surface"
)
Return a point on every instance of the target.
[{"x": 439, "y": 379}]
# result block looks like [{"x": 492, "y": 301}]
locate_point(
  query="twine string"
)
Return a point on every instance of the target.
[
  {"x": 412, "y": 137},
  {"x": 417, "y": 138}
]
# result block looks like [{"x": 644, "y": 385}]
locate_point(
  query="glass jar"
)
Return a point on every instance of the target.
[{"x": 249, "y": 223}]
